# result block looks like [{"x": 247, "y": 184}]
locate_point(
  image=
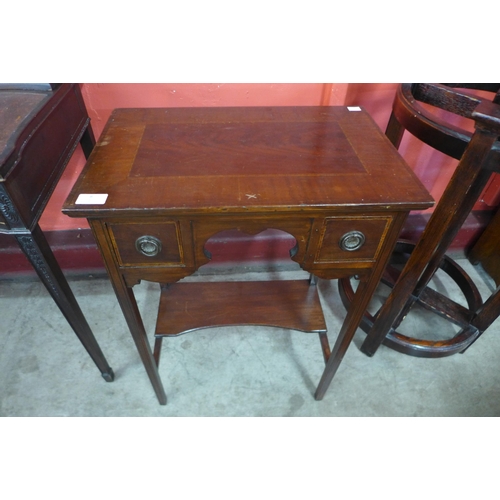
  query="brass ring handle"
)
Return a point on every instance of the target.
[
  {"x": 352, "y": 241},
  {"x": 148, "y": 245}
]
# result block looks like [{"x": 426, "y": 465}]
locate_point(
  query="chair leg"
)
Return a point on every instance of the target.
[{"x": 486, "y": 315}]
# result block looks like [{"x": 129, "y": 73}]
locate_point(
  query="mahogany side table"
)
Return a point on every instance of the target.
[
  {"x": 40, "y": 127},
  {"x": 161, "y": 182}
]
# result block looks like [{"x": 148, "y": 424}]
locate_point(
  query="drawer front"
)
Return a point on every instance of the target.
[
  {"x": 148, "y": 244},
  {"x": 351, "y": 239}
]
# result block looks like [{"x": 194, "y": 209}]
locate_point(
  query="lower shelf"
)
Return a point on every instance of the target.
[{"x": 293, "y": 305}]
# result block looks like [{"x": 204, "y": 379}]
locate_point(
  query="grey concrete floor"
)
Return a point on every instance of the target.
[{"x": 232, "y": 371}]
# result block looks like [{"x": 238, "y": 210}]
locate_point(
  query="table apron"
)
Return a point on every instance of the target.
[{"x": 167, "y": 249}]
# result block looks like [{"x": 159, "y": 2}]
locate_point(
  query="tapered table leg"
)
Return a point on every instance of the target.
[
  {"x": 359, "y": 305},
  {"x": 128, "y": 304},
  {"x": 349, "y": 327},
  {"x": 37, "y": 250}
]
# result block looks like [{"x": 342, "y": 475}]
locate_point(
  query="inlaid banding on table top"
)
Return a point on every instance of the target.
[{"x": 228, "y": 149}]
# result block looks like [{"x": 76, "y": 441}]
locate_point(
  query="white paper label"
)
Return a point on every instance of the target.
[
  {"x": 353, "y": 108},
  {"x": 91, "y": 199}
]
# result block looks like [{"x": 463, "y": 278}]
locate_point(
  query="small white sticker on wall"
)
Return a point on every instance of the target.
[
  {"x": 91, "y": 199},
  {"x": 353, "y": 108}
]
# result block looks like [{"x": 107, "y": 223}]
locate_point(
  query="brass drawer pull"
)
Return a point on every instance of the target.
[
  {"x": 148, "y": 246},
  {"x": 352, "y": 241}
]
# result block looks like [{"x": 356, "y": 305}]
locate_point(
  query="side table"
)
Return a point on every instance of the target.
[
  {"x": 40, "y": 127},
  {"x": 161, "y": 182}
]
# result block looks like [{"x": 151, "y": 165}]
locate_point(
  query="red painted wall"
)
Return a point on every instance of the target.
[{"x": 433, "y": 168}]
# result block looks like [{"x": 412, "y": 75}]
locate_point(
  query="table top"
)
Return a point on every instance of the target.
[
  {"x": 245, "y": 159},
  {"x": 17, "y": 108}
]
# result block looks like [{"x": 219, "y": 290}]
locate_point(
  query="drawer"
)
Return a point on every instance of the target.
[
  {"x": 351, "y": 239},
  {"x": 148, "y": 244}
]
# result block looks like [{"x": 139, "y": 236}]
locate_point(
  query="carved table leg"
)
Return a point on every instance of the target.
[{"x": 38, "y": 252}]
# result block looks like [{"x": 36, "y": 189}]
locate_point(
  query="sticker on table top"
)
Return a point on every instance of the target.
[
  {"x": 353, "y": 108},
  {"x": 91, "y": 199}
]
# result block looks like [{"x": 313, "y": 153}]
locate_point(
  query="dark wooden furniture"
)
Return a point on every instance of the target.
[
  {"x": 40, "y": 127},
  {"x": 486, "y": 251},
  {"x": 479, "y": 155},
  {"x": 161, "y": 182}
]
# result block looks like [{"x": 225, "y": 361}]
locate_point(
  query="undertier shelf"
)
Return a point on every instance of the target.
[{"x": 290, "y": 304}]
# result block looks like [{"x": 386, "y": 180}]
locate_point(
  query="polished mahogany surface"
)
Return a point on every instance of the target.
[{"x": 245, "y": 159}]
